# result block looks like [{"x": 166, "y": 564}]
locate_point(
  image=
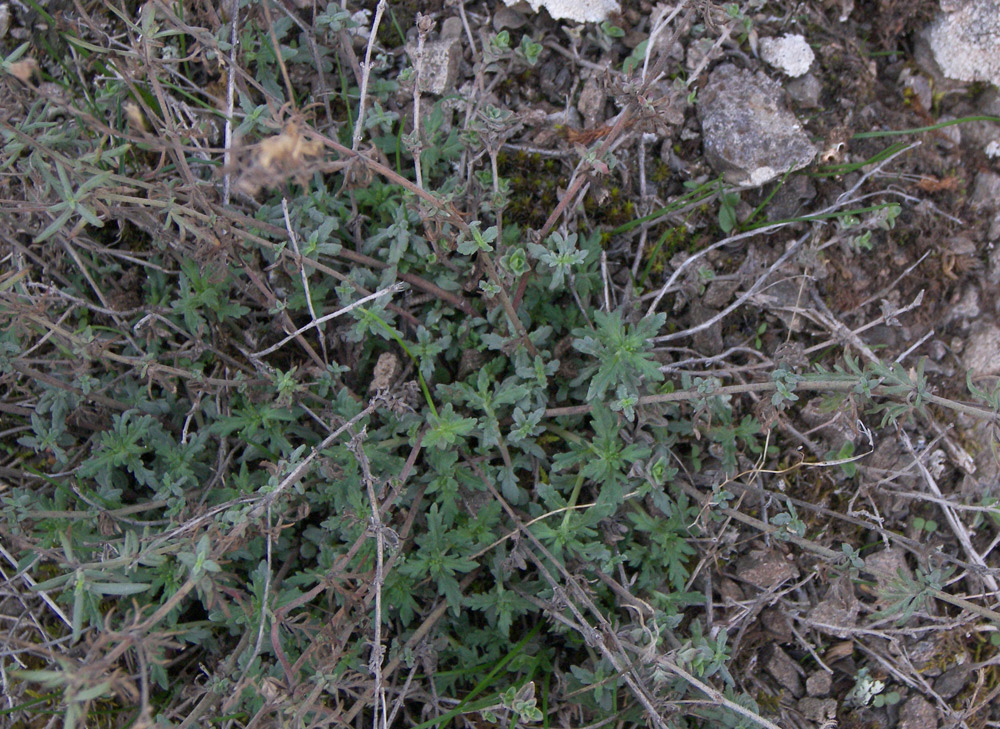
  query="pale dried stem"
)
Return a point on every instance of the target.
[
  {"x": 419, "y": 65},
  {"x": 843, "y": 200},
  {"x": 388, "y": 291},
  {"x": 227, "y": 156},
  {"x": 30, "y": 582},
  {"x": 716, "y": 696},
  {"x": 957, "y": 527},
  {"x": 659, "y": 25},
  {"x": 377, "y": 657},
  {"x": 789, "y": 252},
  {"x": 289, "y": 89},
  {"x": 293, "y": 239},
  {"x": 366, "y": 70}
]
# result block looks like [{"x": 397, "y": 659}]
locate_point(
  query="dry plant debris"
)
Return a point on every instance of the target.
[
  {"x": 277, "y": 158},
  {"x": 419, "y": 365}
]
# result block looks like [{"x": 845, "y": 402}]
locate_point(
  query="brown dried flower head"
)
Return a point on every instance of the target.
[
  {"x": 135, "y": 118},
  {"x": 23, "y": 70},
  {"x": 277, "y": 158}
]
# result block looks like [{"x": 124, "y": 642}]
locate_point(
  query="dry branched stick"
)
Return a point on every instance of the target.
[
  {"x": 341, "y": 566},
  {"x": 264, "y": 505},
  {"x": 366, "y": 70},
  {"x": 659, "y": 24},
  {"x": 294, "y": 240},
  {"x": 828, "y": 554},
  {"x": 846, "y": 335},
  {"x": 31, "y": 583},
  {"x": 846, "y": 199},
  {"x": 957, "y": 527},
  {"x": 388, "y": 291},
  {"x": 265, "y": 597},
  {"x": 750, "y": 387},
  {"x": 852, "y": 335},
  {"x": 376, "y": 527},
  {"x": 210, "y": 698},
  {"x": 227, "y": 158},
  {"x": 716, "y": 696},
  {"x": 300, "y": 470},
  {"x": 436, "y": 613},
  {"x": 789, "y": 252}
]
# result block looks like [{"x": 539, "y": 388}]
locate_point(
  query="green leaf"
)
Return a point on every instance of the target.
[
  {"x": 447, "y": 428},
  {"x": 54, "y": 227},
  {"x": 727, "y": 211},
  {"x": 118, "y": 588},
  {"x": 476, "y": 240},
  {"x": 612, "y": 31},
  {"x": 92, "y": 692},
  {"x": 49, "y": 679},
  {"x": 79, "y": 595},
  {"x": 530, "y": 49},
  {"x": 621, "y": 351}
]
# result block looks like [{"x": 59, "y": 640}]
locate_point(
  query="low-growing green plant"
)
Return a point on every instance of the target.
[
  {"x": 926, "y": 525},
  {"x": 307, "y": 431}
]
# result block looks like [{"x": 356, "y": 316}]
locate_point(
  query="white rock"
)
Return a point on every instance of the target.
[
  {"x": 789, "y": 53},
  {"x": 582, "y": 11},
  {"x": 965, "y": 42}
]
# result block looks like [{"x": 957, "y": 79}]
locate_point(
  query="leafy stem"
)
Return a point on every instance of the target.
[{"x": 811, "y": 383}]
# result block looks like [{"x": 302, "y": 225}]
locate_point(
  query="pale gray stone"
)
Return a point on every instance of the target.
[
  {"x": 440, "y": 64},
  {"x": 918, "y": 713},
  {"x": 507, "y": 18},
  {"x": 785, "y": 671},
  {"x": 835, "y": 616},
  {"x": 775, "y": 621},
  {"x": 982, "y": 351},
  {"x": 953, "y": 681},
  {"x": 886, "y": 565},
  {"x": 966, "y": 306},
  {"x": 819, "y": 711},
  {"x": 765, "y": 569},
  {"x": 819, "y": 683},
  {"x": 965, "y": 42},
  {"x": 749, "y": 134},
  {"x": 805, "y": 91},
  {"x": 699, "y": 50},
  {"x": 919, "y": 85},
  {"x": 986, "y": 190},
  {"x": 451, "y": 29},
  {"x": 581, "y": 11}
]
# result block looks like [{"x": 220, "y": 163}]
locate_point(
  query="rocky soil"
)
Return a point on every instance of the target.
[{"x": 800, "y": 107}]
